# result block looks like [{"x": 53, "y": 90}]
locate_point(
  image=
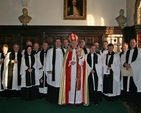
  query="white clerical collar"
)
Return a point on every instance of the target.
[
  {"x": 58, "y": 47},
  {"x": 16, "y": 53},
  {"x": 92, "y": 54},
  {"x": 132, "y": 48}
]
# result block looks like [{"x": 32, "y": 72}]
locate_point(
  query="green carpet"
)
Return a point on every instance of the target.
[{"x": 16, "y": 105}]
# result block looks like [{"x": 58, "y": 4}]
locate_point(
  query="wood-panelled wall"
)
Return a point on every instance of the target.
[{"x": 20, "y": 34}]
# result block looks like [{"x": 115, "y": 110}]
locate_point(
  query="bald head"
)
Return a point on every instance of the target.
[
  {"x": 28, "y": 43},
  {"x": 36, "y": 46}
]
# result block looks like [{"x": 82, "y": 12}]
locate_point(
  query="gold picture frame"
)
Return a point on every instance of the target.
[{"x": 75, "y": 9}]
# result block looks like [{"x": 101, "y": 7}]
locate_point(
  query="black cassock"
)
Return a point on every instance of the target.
[
  {"x": 94, "y": 95},
  {"x": 2, "y": 67},
  {"x": 131, "y": 95},
  {"x": 53, "y": 92},
  {"x": 10, "y": 69},
  {"x": 14, "y": 92},
  {"x": 3, "y": 56},
  {"x": 43, "y": 85},
  {"x": 30, "y": 91},
  {"x": 108, "y": 79}
]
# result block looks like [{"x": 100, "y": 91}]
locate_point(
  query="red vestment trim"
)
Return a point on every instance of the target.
[
  {"x": 68, "y": 77},
  {"x": 68, "y": 74}
]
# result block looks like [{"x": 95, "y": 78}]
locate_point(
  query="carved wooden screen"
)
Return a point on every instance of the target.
[{"x": 139, "y": 39}]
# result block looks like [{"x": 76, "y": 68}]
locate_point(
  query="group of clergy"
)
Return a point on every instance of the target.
[{"x": 71, "y": 74}]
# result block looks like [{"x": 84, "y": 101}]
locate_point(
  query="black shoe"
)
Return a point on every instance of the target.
[
  {"x": 8, "y": 97},
  {"x": 111, "y": 101},
  {"x": 96, "y": 103},
  {"x": 50, "y": 101}
]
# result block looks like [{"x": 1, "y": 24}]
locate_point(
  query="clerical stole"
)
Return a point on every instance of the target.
[
  {"x": 11, "y": 69},
  {"x": 90, "y": 78},
  {"x": 30, "y": 77}
]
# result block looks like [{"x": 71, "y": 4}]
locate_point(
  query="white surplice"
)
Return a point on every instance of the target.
[
  {"x": 136, "y": 68},
  {"x": 15, "y": 73},
  {"x": 103, "y": 53},
  {"x": 58, "y": 66},
  {"x": 98, "y": 67},
  {"x": 23, "y": 52},
  {"x": 23, "y": 72}
]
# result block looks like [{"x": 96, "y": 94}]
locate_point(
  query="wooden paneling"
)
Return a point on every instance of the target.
[
  {"x": 6, "y": 39},
  {"x": 138, "y": 35},
  {"x": 20, "y": 34}
]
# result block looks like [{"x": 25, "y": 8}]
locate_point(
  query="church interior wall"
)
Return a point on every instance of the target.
[{"x": 50, "y": 12}]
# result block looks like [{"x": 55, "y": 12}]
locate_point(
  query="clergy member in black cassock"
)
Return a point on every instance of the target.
[
  {"x": 28, "y": 43},
  {"x": 30, "y": 76},
  {"x": 41, "y": 66},
  {"x": 36, "y": 49},
  {"x": 66, "y": 44},
  {"x": 95, "y": 76},
  {"x": 96, "y": 44},
  {"x": 2, "y": 59},
  {"x": 132, "y": 84},
  {"x": 104, "y": 49},
  {"x": 111, "y": 74},
  {"x": 53, "y": 68},
  {"x": 11, "y": 75}
]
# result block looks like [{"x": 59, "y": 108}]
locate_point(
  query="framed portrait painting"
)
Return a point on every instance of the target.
[{"x": 74, "y": 9}]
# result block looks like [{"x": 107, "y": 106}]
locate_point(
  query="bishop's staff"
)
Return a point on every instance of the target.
[{"x": 78, "y": 54}]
